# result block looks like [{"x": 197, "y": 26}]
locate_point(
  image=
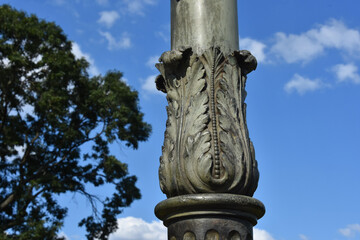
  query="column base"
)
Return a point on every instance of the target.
[{"x": 210, "y": 216}]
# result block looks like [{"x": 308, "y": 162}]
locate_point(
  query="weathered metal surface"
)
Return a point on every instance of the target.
[
  {"x": 210, "y": 216},
  {"x": 207, "y": 146},
  {"x": 201, "y": 24},
  {"x": 207, "y": 169},
  {"x": 210, "y": 228}
]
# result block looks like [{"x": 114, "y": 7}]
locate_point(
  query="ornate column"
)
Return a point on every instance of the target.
[{"x": 207, "y": 169}]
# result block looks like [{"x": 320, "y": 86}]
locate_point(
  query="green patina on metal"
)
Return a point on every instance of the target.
[{"x": 208, "y": 168}]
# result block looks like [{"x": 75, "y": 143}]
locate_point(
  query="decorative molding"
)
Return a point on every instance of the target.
[
  {"x": 207, "y": 147},
  {"x": 210, "y": 216}
]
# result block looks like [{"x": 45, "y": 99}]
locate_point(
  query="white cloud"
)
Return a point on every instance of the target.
[
  {"x": 138, "y": 6},
  {"x": 102, "y": 2},
  {"x": 350, "y": 231},
  {"x": 108, "y": 18},
  {"x": 150, "y": 86},
  {"x": 62, "y": 234},
  {"x": 131, "y": 228},
  {"x": 135, "y": 7},
  {"x": 76, "y": 50},
  {"x": 337, "y": 35},
  {"x": 347, "y": 72},
  {"x": 303, "y": 85},
  {"x": 152, "y": 61},
  {"x": 306, "y": 46},
  {"x": 123, "y": 43},
  {"x": 296, "y": 48},
  {"x": 255, "y": 47},
  {"x": 260, "y": 234},
  {"x": 303, "y": 237}
]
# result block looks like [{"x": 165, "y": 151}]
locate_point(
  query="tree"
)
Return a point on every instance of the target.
[{"x": 50, "y": 108}]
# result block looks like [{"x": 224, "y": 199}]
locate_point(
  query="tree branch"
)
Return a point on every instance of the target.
[
  {"x": 92, "y": 199},
  {"x": 7, "y": 201},
  {"x": 28, "y": 148}
]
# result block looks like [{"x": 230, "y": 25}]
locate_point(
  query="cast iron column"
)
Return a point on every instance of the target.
[{"x": 207, "y": 169}]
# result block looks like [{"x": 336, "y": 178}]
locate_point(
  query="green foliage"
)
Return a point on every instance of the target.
[{"x": 50, "y": 108}]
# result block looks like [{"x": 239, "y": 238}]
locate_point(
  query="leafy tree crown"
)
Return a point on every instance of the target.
[{"x": 49, "y": 108}]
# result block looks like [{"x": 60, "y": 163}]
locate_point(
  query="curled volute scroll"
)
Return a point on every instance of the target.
[{"x": 207, "y": 147}]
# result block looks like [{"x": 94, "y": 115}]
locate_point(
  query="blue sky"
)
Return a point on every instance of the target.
[{"x": 303, "y": 107}]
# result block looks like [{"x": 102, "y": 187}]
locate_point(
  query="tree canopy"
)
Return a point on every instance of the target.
[{"x": 49, "y": 108}]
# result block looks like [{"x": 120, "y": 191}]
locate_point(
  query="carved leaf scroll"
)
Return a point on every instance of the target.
[
  {"x": 236, "y": 146},
  {"x": 206, "y": 146}
]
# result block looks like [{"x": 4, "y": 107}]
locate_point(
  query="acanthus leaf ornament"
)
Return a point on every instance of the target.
[{"x": 207, "y": 147}]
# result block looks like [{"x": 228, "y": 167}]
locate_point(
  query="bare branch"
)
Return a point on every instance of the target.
[
  {"x": 92, "y": 199},
  {"x": 7, "y": 201}
]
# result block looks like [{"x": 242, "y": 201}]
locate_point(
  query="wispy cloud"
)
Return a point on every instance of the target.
[
  {"x": 347, "y": 73},
  {"x": 102, "y": 2},
  {"x": 152, "y": 61},
  {"x": 108, "y": 18},
  {"x": 257, "y": 48},
  {"x": 163, "y": 36},
  {"x": 303, "y": 237},
  {"x": 138, "y": 6},
  {"x": 164, "y": 32},
  {"x": 114, "y": 44},
  {"x": 307, "y": 46},
  {"x": 350, "y": 231},
  {"x": 76, "y": 50},
  {"x": 302, "y": 85},
  {"x": 150, "y": 86},
  {"x": 68, "y": 5}
]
